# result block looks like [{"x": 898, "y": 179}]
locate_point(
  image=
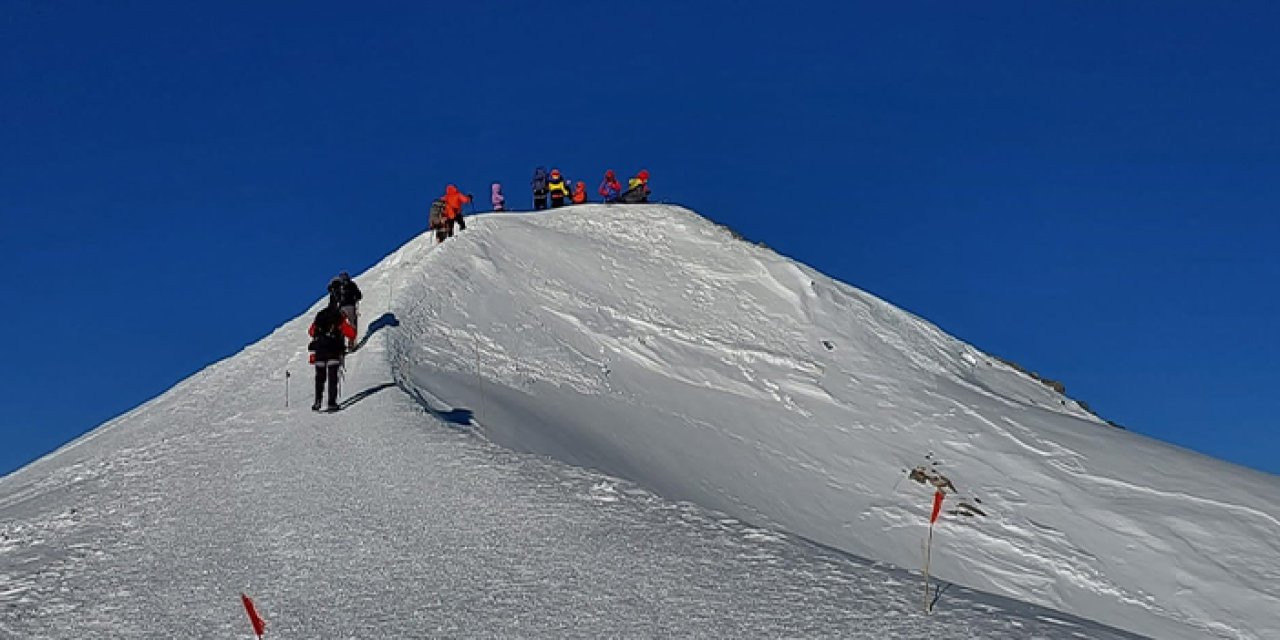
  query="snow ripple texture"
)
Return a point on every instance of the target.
[{"x": 621, "y": 422}]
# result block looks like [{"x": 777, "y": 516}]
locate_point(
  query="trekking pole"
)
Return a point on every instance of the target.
[
  {"x": 286, "y": 388},
  {"x": 479, "y": 380}
]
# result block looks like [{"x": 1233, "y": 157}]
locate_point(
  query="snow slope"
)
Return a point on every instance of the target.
[
  {"x": 715, "y": 377},
  {"x": 647, "y": 343}
]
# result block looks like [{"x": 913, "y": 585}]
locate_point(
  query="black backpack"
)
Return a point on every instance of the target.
[
  {"x": 343, "y": 293},
  {"x": 335, "y": 294},
  {"x": 634, "y": 195},
  {"x": 328, "y": 320},
  {"x": 327, "y": 342}
]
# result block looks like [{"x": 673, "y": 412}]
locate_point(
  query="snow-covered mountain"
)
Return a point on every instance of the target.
[{"x": 720, "y": 408}]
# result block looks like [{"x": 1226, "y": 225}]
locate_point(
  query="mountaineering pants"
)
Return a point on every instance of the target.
[
  {"x": 557, "y": 201},
  {"x": 539, "y": 200},
  {"x": 327, "y": 371},
  {"x": 446, "y": 229}
]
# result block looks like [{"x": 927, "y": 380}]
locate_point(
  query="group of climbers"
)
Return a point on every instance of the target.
[
  {"x": 549, "y": 189},
  {"x": 333, "y": 335},
  {"x": 334, "y": 330},
  {"x": 555, "y": 188}
]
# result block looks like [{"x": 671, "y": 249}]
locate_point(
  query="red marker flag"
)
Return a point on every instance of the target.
[
  {"x": 933, "y": 517},
  {"x": 259, "y": 625}
]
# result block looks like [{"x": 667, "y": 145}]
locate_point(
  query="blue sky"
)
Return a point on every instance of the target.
[{"x": 1087, "y": 188}]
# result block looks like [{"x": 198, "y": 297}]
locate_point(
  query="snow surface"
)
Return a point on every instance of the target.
[{"x": 720, "y": 409}]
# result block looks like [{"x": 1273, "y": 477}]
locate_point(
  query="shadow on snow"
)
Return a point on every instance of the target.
[
  {"x": 365, "y": 394},
  {"x": 387, "y": 319}
]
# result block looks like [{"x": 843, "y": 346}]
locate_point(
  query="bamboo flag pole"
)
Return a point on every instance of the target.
[{"x": 933, "y": 517}]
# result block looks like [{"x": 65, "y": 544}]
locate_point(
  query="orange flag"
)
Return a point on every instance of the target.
[
  {"x": 259, "y": 625},
  {"x": 937, "y": 507}
]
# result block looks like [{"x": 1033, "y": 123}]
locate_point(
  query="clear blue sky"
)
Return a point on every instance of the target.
[{"x": 1088, "y": 188}]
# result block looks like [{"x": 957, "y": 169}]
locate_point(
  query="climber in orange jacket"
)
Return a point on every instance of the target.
[{"x": 453, "y": 201}]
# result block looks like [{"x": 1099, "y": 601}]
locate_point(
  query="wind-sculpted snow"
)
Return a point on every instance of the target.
[
  {"x": 647, "y": 343},
  {"x": 721, "y": 409},
  {"x": 391, "y": 519}
]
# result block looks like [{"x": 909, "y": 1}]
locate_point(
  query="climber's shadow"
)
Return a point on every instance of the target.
[
  {"x": 365, "y": 394},
  {"x": 387, "y": 319}
]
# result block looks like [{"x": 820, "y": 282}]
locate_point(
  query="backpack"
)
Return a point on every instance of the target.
[
  {"x": 327, "y": 342},
  {"x": 437, "y": 214},
  {"x": 328, "y": 320},
  {"x": 343, "y": 293},
  {"x": 634, "y": 195},
  {"x": 335, "y": 293},
  {"x": 540, "y": 180}
]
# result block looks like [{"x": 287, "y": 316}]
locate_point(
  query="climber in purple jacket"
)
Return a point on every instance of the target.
[{"x": 498, "y": 200}]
